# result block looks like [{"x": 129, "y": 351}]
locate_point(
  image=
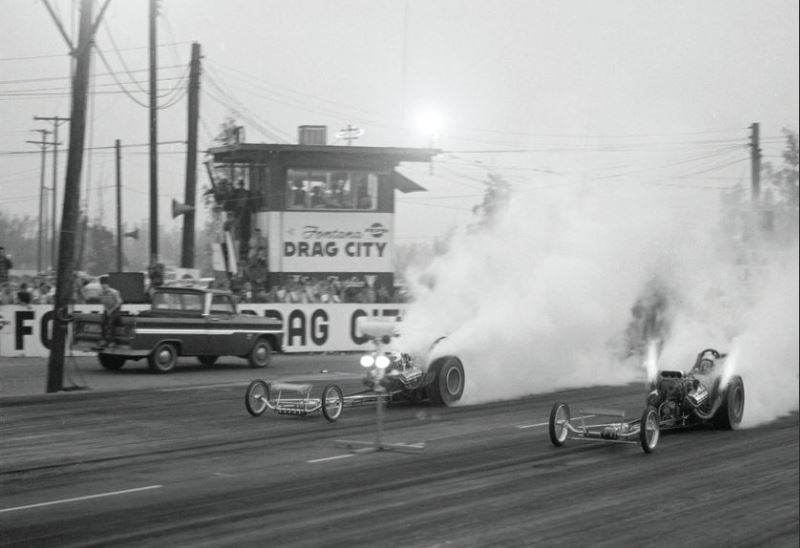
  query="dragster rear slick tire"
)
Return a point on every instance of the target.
[
  {"x": 730, "y": 413},
  {"x": 256, "y": 397},
  {"x": 649, "y": 431},
  {"x": 445, "y": 381},
  {"x": 332, "y": 402},
  {"x": 557, "y": 425}
]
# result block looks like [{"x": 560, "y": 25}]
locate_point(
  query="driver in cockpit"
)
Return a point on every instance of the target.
[
  {"x": 703, "y": 373},
  {"x": 705, "y": 363}
]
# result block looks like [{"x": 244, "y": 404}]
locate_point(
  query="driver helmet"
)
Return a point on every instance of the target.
[{"x": 706, "y": 362}]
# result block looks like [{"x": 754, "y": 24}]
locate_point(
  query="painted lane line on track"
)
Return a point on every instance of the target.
[
  {"x": 77, "y": 499},
  {"x": 330, "y": 458}
]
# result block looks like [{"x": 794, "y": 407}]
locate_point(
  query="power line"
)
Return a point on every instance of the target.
[
  {"x": 175, "y": 142},
  {"x": 54, "y": 55},
  {"x": 130, "y": 95}
]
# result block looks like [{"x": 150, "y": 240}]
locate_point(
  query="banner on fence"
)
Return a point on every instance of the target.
[{"x": 26, "y": 331}]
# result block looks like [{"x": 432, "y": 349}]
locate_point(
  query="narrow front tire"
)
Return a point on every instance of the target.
[
  {"x": 557, "y": 425},
  {"x": 649, "y": 430},
  {"x": 332, "y": 402},
  {"x": 256, "y": 397}
]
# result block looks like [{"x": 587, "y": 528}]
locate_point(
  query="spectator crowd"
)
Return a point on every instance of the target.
[{"x": 312, "y": 290}]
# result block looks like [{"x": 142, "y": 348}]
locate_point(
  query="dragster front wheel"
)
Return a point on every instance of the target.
[
  {"x": 256, "y": 397},
  {"x": 649, "y": 431},
  {"x": 332, "y": 402},
  {"x": 559, "y": 419}
]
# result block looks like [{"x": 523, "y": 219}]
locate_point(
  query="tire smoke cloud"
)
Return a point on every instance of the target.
[{"x": 546, "y": 298}]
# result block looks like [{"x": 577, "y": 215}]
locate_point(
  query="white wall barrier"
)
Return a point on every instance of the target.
[{"x": 26, "y": 331}]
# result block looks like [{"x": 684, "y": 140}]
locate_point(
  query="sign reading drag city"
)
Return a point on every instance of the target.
[
  {"x": 326, "y": 241},
  {"x": 27, "y": 331}
]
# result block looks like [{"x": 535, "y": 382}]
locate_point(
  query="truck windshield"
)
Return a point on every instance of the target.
[{"x": 178, "y": 301}]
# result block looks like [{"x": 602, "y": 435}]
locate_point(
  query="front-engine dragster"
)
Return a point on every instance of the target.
[
  {"x": 707, "y": 394},
  {"x": 399, "y": 375},
  {"x": 704, "y": 395},
  {"x": 389, "y": 374}
]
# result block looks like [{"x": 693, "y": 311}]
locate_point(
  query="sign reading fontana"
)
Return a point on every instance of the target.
[{"x": 326, "y": 241}]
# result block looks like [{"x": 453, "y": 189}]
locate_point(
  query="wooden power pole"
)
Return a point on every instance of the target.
[
  {"x": 57, "y": 121},
  {"x": 755, "y": 162},
  {"x": 118, "y": 156},
  {"x": 153, "y": 137},
  {"x": 72, "y": 189},
  {"x": 44, "y": 142},
  {"x": 187, "y": 247}
]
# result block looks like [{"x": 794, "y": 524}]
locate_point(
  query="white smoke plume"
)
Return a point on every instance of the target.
[{"x": 541, "y": 301}]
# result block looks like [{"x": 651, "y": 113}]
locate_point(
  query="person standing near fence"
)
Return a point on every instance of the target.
[
  {"x": 5, "y": 265},
  {"x": 112, "y": 307}
]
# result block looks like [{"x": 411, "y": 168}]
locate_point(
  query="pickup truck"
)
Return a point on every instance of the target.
[{"x": 182, "y": 321}]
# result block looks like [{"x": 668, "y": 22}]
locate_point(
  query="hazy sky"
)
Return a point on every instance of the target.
[{"x": 545, "y": 93}]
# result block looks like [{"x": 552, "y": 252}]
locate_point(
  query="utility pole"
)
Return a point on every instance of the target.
[
  {"x": 119, "y": 205},
  {"x": 44, "y": 142},
  {"x": 187, "y": 247},
  {"x": 153, "y": 138},
  {"x": 57, "y": 121},
  {"x": 72, "y": 189},
  {"x": 755, "y": 162}
]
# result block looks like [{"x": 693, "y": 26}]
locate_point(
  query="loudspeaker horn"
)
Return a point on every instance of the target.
[
  {"x": 132, "y": 234},
  {"x": 179, "y": 208}
]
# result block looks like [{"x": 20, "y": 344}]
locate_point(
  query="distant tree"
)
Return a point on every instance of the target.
[
  {"x": 19, "y": 235},
  {"x": 99, "y": 255},
  {"x": 496, "y": 195},
  {"x": 230, "y": 132},
  {"x": 780, "y": 208},
  {"x": 777, "y": 212},
  {"x": 416, "y": 255},
  {"x": 785, "y": 177},
  {"x": 225, "y": 175}
]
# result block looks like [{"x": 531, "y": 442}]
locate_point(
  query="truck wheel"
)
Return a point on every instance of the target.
[
  {"x": 730, "y": 413},
  {"x": 208, "y": 361},
  {"x": 256, "y": 397},
  {"x": 163, "y": 358},
  {"x": 557, "y": 425},
  {"x": 446, "y": 381},
  {"x": 649, "y": 431},
  {"x": 332, "y": 402},
  {"x": 111, "y": 362},
  {"x": 261, "y": 354}
]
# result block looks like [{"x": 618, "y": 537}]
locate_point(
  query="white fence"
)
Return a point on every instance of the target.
[{"x": 26, "y": 331}]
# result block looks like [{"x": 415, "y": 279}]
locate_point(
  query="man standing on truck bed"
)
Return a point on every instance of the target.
[{"x": 112, "y": 306}]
